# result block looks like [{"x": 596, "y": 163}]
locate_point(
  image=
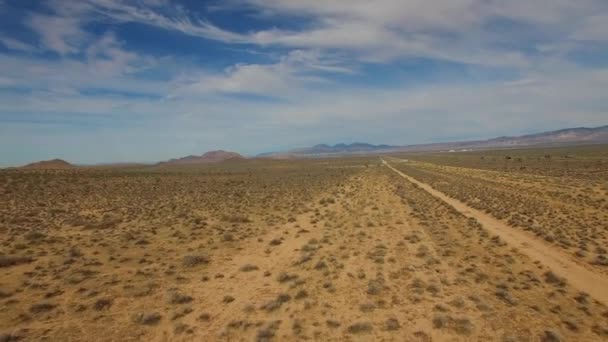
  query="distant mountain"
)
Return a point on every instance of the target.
[
  {"x": 339, "y": 148},
  {"x": 207, "y": 158},
  {"x": 55, "y": 164},
  {"x": 118, "y": 165},
  {"x": 562, "y": 137},
  {"x": 323, "y": 149},
  {"x": 568, "y": 136}
]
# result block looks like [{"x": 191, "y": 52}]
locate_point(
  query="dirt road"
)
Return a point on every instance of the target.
[{"x": 577, "y": 275}]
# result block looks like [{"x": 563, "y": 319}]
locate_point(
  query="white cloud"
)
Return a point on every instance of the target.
[
  {"x": 14, "y": 44},
  {"x": 594, "y": 28},
  {"x": 37, "y": 73},
  {"x": 6, "y": 81},
  {"x": 446, "y": 29},
  {"x": 106, "y": 56},
  {"x": 545, "y": 95},
  {"x": 246, "y": 79},
  {"x": 60, "y": 34},
  {"x": 162, "y": 15},
  {"x": 379, "y": 31},
  {"x": 292, "y": 73},
  {"x": 155, "y": 129}
]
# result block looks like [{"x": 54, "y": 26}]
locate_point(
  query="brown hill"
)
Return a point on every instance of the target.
[
  {"x": 55, "y": 164},
  {"x": 207, "y": 158}
]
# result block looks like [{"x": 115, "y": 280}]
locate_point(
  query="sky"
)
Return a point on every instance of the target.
[{"x": 99, "y": 81}]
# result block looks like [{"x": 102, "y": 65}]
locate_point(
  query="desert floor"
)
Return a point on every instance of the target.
[{"x": 349, "y": 249}]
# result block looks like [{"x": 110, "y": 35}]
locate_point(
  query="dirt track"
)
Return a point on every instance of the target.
[{"x": 595, "y": 284}]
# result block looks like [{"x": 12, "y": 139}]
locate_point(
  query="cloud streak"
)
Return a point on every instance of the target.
[
  {"x": 387, "y": 29},
  {"x": 291, "y": 74}
]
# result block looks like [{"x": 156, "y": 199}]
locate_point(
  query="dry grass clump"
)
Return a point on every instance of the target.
[
  {"x": 461, "y": 326},
  {"x": 392, "y": 324},
  {"x": 147, "y": 318},
  {"x": 360, "y": 328},
  {"x": 552, "y": 278},
  {"x": 332, "y": 323},
  {"x": 248, "y": 268},
  {"x": 175, "y": 297},
  {"x": 284, "y": 277},
  {"x": 375, "y": 286},
  {"x": 42, "y": 307},
  {"x": 276, "y": 303},
  {"x": 301, "y": 294},
  {"x": 194, "y": 260},
  {"x": 103, "y": 304},
  {"x": 12, "y": 260},
  {"x": 268, "y": 332},
  {"x": 551, "y": 336},
  {"x": 506, "y": 296},
  {"x": 181, "y": 312},
  {"x": 236, "y": 218}
]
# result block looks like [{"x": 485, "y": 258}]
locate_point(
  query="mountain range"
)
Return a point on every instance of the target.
[
  {"x": 562, "y": 137},
  {"x": 568, "y": 136},
  {"x": 207, "y": 158},
  {"x": 54, "y": 164}
]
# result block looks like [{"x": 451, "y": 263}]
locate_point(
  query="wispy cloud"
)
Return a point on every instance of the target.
[
  {"x": 292, "y": 73},
  {"x": 593, "y": 28},
  {"x": 106, "y": 56},
  {"x": 386, "y": 29},
  {"x": 60, "y": 34},
  {"x": 14, "y": 44}
]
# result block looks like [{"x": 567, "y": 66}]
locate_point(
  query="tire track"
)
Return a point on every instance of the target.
[{"x": 594, "y": 284}]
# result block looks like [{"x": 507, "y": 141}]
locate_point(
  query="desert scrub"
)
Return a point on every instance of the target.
[
  {"x": 461, "y": 326},
  {"x": 175, "y": 297},
  {"x": 12, "y": 260},
  {"x": 276, "y": 303},
  {"x": 42, "y": 307},
  {"x": 248, "y": 268},
  {"x": 360, "y": 328},
  {"x": 194, "y": 260},
  {"x": 147, "y": 318}
]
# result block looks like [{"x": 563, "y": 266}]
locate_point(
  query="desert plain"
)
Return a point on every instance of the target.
[{"x": 506, "y": 245}]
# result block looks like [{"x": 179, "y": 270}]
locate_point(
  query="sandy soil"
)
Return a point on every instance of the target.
[
  {"x": 371, "y": 256},
  {"x": 569, "y": 211},
  {"x": 564, "y": 265}
]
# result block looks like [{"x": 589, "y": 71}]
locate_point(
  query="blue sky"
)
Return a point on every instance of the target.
[{"x": 146, "y": 80}]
